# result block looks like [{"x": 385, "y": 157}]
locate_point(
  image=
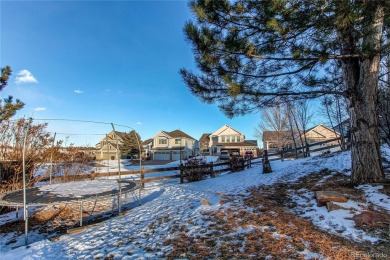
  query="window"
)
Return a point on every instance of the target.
[
  {"x": 178, "y": 141},
  {"x": 223, "y": 139},
  {"x": 162, "y": 141},
  {"x": 228, "y": 139}
]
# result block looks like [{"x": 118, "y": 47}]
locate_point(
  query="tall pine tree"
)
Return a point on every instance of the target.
[
  {"x": 253, "y": 53},
  {"x": 131, "y": 144}
]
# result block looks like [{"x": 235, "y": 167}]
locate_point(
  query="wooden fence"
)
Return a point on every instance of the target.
[
  {"x": 292, "y": 152},
  {"x": 213, "y": 167}
]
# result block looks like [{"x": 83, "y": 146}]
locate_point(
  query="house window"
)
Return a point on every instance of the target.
[
  {"x": 177, "y": 141},
  {"x": 223, "y": 139},
  {"x": 228, "y": 139},
  {"x": 162, "y": 141}
]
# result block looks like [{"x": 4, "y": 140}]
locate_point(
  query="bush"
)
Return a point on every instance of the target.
[
  {"x": 236, "y": 163},
  {"x": 196, "y": 170}
]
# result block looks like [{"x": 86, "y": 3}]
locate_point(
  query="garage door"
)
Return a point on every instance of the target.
[
  {"x": 161, "y": 156},
  {"x": 175, "y": 156}
]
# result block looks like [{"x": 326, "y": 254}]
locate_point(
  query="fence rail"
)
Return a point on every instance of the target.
[
  {"x": 292, "y": 152},
  {"x": 215, "y": 167}
]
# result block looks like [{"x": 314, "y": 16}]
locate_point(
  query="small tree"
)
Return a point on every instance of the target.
[
  {"x": 275, "y": 119},
  {"x": 12, "y": 135},
  {"x": 304, "y": 116},
  {"x": 40, "y": 152},
  {"x": 8, "y": 107},
  {"x": 196, "y": 170}
]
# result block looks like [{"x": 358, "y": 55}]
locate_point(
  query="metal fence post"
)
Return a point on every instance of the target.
[
  {"x": 181, "y": 174},
  {"x": 143, "y": 178}
]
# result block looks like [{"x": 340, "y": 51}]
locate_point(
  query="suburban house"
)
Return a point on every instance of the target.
[
  {"x": 274, "y": 141},
  {"x": 226, "y": 138},
  {"x": 106, "y": 149},
  {"x": 147, "y": 145},
  {"x": 175, "y": 145}
]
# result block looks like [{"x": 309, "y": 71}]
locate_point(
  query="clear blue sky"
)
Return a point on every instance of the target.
[{"x": 109, "y": 61}]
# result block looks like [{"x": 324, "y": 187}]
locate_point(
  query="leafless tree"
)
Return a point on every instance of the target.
[
  {"x": 303, "y": 117},
  {"x": 275, "y": 119},
  {"x": 41, "y": 151},
  {"x": 336, "y": 111}
]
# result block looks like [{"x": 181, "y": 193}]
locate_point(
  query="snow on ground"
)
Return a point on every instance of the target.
[{"x": 167, "y": 204}]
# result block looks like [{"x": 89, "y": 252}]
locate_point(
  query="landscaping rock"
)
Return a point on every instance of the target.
[
  {"x": 326, "y": 196},
  {"x": 371, "y": 218}
]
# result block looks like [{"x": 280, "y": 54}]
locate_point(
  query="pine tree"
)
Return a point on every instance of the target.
[
  {"x": 8, "y": 108},
  {"x": 131, "y": 144},
  {"x": 254, "y": 53}
]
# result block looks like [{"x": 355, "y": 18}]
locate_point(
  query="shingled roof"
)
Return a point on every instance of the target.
[
  {"x": 273, "y": 135},
  {"x": 148, "y": 141},
  {"x": 178, "y": 133},
  {"x": 205, "y": 138}
]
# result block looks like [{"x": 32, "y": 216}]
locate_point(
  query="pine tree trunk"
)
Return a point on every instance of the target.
[
  {"x": 361, "y": 79},
  {"x": 365, "y": 147}
]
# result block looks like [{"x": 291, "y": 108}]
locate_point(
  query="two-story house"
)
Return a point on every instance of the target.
[
  {"x": 274, "y": 141},
  {"x": 106, "y": 149},
  {"x": 226, "y": 138},
  {"x": 147, "y": 148},
  {"x": 173, "y": 145}
]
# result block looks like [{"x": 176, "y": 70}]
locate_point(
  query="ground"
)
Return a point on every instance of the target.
[{"x": 243, "y": 215}]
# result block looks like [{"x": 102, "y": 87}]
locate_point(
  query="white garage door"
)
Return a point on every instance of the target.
[
  {"x": 161, "y": 156},
  {"x": 176, "y": 156}
]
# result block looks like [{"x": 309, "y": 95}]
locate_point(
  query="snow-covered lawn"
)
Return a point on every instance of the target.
[{"x": 171, "y": 211}]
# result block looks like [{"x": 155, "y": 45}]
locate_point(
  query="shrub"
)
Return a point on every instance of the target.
[
  {"x": 196, "y": 170},
  {"x": 236, "y": 163}
]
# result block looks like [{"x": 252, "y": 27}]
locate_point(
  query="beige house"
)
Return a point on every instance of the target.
[
  {"x": 147, "y": 148},
  {"x": 106, "y": 149},
  {"x": 173, "y": 145},
  {"x": 226, "y": 138},
  {"x": 274, "y": 141}
]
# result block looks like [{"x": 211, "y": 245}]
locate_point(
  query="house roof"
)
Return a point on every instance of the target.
[
  {"x": 324, "y": 126},
  {"x": 148, "y": 141},
  {"x": 178, "y": 133},
  {"x": 205, "y": 138},
  {"x": 121, "y": 134},
  {"x": 272, "y": 135},
  {"x": 224, "y": 128}
]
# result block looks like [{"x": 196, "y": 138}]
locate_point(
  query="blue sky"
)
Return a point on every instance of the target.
[{"x": 106, "y": 61}]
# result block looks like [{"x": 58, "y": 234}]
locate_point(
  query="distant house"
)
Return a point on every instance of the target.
[
  {"x": 274, "y": 141},
  {"x": 106, "y": 149},
  {"x": 344, "y": 128},
  {"x": 147, "y": 145},
  {"x": 226, "y": 138},
  {"x": 173, "y": 145}
]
